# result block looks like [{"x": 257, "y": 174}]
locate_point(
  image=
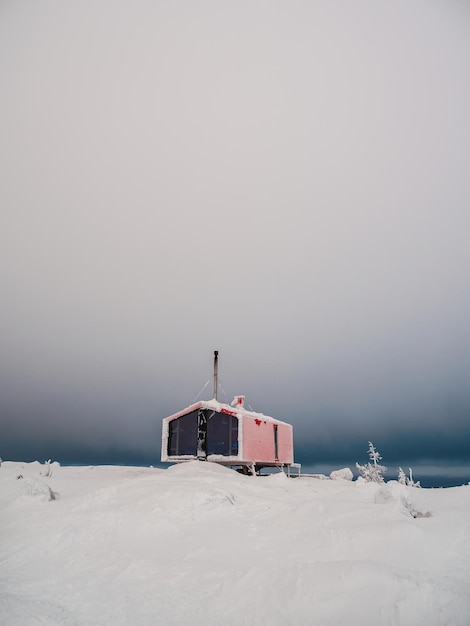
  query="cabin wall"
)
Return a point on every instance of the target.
[{"x": 259, "y": 441}]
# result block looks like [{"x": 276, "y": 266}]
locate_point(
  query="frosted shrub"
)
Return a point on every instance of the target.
[
  {"x": 47, "y": 471},
  {"x": 404, "y": 480},
  {"x": 401, "y": 476},
  {"x": 372, "y": 472}
]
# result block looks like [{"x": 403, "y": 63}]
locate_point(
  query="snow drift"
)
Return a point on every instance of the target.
[{"x": 201, "y": 544}]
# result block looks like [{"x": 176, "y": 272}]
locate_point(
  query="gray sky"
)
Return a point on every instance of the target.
[{"x": 286, "y": 182}]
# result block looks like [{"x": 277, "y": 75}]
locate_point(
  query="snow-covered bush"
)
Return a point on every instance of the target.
[
  {"x": 36, "y": 487},
  {"x": 412, "y": 510},
  {"x": 341, "y": 474},
  {"x": 47, "y": 471},
  {"x": 383, "y": 495},
  {"x": 404, "y": 480},
  {"x": 372, "y": 472},
  {"x": 401, "y": 476}
]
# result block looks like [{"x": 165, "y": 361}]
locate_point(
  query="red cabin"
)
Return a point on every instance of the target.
[{"x": 227, "y": 434}]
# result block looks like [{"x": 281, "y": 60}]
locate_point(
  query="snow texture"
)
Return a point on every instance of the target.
[{"x": 201, "y": 544}]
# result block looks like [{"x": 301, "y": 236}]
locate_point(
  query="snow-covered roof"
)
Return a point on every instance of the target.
[{"x": 220, "y": 407}]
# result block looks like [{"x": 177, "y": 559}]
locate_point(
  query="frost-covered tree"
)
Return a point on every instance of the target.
[
  {"x": 372, "y": 472},
  {"x": 401, "y": 476},
  {"x": 404, "y": 480}
]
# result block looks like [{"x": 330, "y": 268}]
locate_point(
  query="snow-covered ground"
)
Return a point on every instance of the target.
[{"x": 200, "y": 544}]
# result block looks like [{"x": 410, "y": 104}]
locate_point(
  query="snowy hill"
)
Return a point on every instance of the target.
[{"x": 201, "y": 544}]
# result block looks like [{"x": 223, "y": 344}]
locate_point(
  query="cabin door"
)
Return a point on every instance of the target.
[{"x": 201, "y": 434}]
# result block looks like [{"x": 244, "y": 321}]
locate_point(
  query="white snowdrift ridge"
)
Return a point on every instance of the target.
[{"x": 200, "y": 544}]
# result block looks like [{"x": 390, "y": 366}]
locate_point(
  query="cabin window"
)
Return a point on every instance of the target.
[
  {"x": 276, "y": 443},
  {"x": 222, "y": 433},
  {"x": 182, "y": 440},
  {"x": 203, "y": 432}
]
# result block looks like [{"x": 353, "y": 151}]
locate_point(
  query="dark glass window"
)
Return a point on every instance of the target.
[
  {"x": 217, "y": 433},
  {"x": 182, "y": 438},
  {"x": 222, "y": 433}
]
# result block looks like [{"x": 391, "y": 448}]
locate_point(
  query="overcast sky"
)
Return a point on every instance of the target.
[{"x": 286, "y": 182}]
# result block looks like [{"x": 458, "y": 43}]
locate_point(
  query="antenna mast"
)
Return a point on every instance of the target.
[{"x": 216, "y": 365}]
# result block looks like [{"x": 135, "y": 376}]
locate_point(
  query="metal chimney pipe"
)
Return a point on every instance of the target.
[{"x": 216, "y": 366}]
